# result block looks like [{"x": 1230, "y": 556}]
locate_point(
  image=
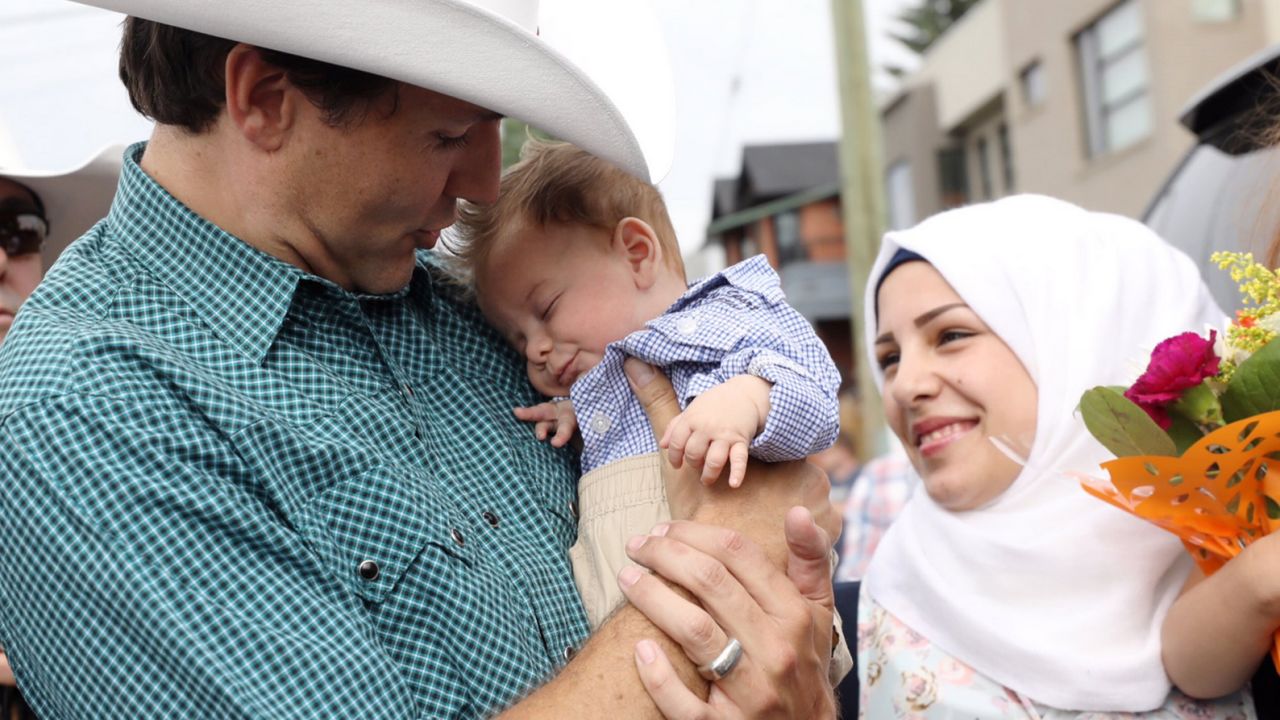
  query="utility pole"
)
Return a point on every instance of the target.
[{"x": 861, "y": 196}]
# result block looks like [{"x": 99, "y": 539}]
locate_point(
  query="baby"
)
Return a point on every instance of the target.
[{"x": 578, "y": 266}]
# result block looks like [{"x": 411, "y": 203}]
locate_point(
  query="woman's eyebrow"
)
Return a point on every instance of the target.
[
  {"x": 926, "y": 317},
  {"x": 922, "y": 320}
]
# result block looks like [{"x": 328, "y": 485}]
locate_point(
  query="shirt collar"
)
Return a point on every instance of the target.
[
  {"x": 241, "y": 293},
  {"x": 754, "y": 274}
]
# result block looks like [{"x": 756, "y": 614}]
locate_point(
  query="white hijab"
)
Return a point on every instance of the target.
[{"x": 1047, "y": 590}]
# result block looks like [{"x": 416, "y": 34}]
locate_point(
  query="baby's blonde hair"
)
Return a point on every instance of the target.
[{"x": 555, "y": 182}]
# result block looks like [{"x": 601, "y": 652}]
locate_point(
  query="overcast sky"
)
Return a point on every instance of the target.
[{"x": 746, "y": 71}]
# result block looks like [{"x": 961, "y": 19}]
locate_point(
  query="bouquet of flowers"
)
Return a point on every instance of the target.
[{"x": 1197, "y": 436}]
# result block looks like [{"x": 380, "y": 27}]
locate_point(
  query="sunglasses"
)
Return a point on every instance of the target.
[{"x": 22, "y": 233}]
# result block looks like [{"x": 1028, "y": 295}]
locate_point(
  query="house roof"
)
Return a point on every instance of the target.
[
  {"x": 759, "y": 212},
  {"x": 772, "y": 171},
  {"x": 724, "y": 197}
]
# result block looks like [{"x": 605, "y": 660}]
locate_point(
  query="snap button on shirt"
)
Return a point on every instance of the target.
[
  {"x": 457, "y": 537},
  {"x": 490, "y": 518},
  {"x": 601, "y": 423},
  {"x": 687, "y": 325},
  {"x": 369, "y": 570}
]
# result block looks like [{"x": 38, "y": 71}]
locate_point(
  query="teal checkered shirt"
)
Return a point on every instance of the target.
[{"x": 231, "y": 489}]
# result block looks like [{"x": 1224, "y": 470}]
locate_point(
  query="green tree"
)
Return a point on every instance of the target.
[
  {"x": 514, "y": 134},
  {"x": 929, "y": 20}
]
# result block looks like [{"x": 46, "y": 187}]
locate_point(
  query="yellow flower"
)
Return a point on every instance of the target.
[{"x": 1257, "y": 325}]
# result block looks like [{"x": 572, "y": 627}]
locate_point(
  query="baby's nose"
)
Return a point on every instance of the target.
[{"x": 537, "y": 350}]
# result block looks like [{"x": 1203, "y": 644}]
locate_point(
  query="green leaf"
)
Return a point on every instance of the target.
[
  {"x": 1199, "y": 405},
  {"x": 1121, "y": 426},
  {"x": 1255, "y": 385},
  {"x": 1184, "y": 433}
]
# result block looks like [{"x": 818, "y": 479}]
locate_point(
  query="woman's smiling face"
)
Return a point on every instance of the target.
[{"x": 950, "y": 386}]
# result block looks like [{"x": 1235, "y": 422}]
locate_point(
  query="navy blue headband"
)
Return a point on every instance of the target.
[{"x": 899, "y": 258}]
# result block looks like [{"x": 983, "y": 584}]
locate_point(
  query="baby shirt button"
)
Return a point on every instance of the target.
[
  {"x": 601, "y": 423},
  {"x": 686, "y": 325}
]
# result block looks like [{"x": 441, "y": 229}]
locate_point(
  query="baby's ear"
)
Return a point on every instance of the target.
[{"x": 638, "y": 244}]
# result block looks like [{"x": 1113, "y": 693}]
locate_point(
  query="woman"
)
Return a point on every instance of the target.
[{"x": 1003, "y": 590}]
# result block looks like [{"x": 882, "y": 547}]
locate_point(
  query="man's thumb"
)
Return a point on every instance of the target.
[
  {"x": 655, "y": 394},
  {"x": 808, "y": 556}
]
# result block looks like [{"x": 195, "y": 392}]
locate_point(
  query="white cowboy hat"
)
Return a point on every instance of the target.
[
  {"x": 75, "y": 199},
  {"x": 592, "y": 72}
]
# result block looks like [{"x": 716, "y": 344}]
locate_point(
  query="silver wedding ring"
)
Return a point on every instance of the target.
[{"x": 725, "y": 662}]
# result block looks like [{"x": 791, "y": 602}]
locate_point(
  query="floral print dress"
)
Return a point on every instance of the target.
[{"x": 902, "y": 675}]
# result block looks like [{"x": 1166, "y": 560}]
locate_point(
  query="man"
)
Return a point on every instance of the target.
[
  {"x": 287, "y": 482},
  {"x": 39, "y": 214}
]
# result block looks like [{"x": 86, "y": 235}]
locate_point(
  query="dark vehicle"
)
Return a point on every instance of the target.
[{"x": 1225, "y": 194}]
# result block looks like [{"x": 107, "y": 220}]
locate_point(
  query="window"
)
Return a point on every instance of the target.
[
  {"x": 984, "y": 169},
  {"x": 786, "y": 228},
  {"x": 1006, "y": 157},
  {"x": 1113, "y": 78},
  {"x": 1215, "y": 11},
  {"x": 901, "y": 196},
  {"x": 1034, "y": 90},
  {"x": 953, "y": 177}
]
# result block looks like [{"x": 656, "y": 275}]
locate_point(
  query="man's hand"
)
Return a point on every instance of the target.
[
  {"x": 717, "y": 428},
  {"x": 760, "y": 503},
  {"x": 554, "y": 418},
  {"x": 790, "y": 648},
  {"x": 783, "y": 623},
  {"x": 730, "y": 562}
]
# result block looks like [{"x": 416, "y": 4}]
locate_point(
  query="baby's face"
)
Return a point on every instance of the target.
[{"x": 560, "y": 295}]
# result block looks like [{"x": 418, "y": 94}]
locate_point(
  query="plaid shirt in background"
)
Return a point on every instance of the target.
[
  {"x": 233, "y": 489},
  {"x": 736, "y": 322},
  {"x": 879, "y": 491}
]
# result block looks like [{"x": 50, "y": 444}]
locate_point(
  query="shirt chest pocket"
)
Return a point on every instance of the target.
[{"x": 369, "y": 530}]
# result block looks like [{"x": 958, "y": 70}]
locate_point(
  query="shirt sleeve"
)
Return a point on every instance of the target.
[
  {"x": 804, "y": 412},
  {"x": 144, "y": 575},
  {"x": 737, "y": 333}
]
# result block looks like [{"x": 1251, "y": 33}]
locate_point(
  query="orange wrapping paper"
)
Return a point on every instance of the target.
[{"x": 1221, "y": 495}]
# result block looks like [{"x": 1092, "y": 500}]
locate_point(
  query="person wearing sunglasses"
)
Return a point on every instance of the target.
[
  {"x": 23, "y": 229},
  {"x": 29, "y": 243}
]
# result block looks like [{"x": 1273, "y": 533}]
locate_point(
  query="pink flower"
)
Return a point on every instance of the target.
[{"x": 1181, "y": 362}]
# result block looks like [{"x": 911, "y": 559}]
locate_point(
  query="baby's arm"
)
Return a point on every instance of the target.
[
  {"x": 1220, "y": 627},
  {"x": 553, "y": 416},
  {"x": 718, "y": 426}
]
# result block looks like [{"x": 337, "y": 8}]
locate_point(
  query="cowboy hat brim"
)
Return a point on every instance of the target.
[
  {"x": 74, "y": 200},
  {"x": 486, "y": 52}
]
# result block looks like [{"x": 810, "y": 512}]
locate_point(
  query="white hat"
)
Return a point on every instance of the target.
[
  {"x": 73, "y": 199},
  {"x": 592, "y": 72}
]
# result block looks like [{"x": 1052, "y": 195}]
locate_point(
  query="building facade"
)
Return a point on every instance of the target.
[{"x": 1077, "y": 100}]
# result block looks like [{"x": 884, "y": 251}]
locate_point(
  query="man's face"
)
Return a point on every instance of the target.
[
  {"x": 367, "y": 196},
  {"x": 20, "y": 273}
]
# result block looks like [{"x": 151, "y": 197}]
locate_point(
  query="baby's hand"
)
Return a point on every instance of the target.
[
  {"x": 555, "y": 416},
  {"x": 717, "y": 428}
]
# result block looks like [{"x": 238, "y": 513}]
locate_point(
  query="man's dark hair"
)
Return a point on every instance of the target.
[{"x": 175, "y": 77}]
